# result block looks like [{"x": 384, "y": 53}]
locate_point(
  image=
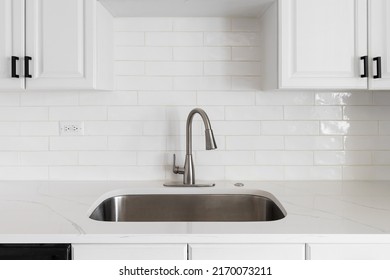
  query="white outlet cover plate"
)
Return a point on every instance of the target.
[{"x": 72, "y": 128}]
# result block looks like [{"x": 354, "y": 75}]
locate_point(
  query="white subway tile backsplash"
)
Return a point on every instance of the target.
[
  {"x": 10, "y": 143},
  {"x": 136, "y": 113},
  {"x": 76, "y": 143},
  {"x": 167, "y": 98},
  {"x": 129, "y": 39},
  {"x": 226, "y": 98},
  {"x": 174, "y": 68},
  {"x": 381, "y": 157},
  {"x": 143, "y": 83},
  {"x": 24, "y": 114},
  {"x": 313, "y": 173},
  {"x": 368, "y": 143},
  {"x": 349, "y": 128},
  {"x": 368, "y": 113},
  {"x": 313, "y": 143},
  {"x": 312, "y": 113},
  {"x": 165, "y": 67},
  {"x": 343, "y": 98},
  {"x": 226, "y": 158},
  {"x": 87, "y": 113},
  {"x": 202, "y": 24},
  {"x": 246, "y": 53},
  {"x": 381, "y": 98},
  {"x": 9, "y": 99},
  {"x": 135, "y": 173},
  {"x": 284, "y": 158},
  {"x": 342, "y": 158},
  {"x": 143, "y": 24},
  {"x": 289, "y": 128},
  {"x": 24, "y": 173},
  {"x": 236, "y": 127},
  {"x": 254, "y": 113},
  {"x": 136, "y": 143},
  {"x": 284, "y": 98},
  {"x": 9, "y": 128},
  {"x": 129, "y": 68},
  {"x": 207, "y": 174},
  {"x": 266, "y": 173},
  {"x": 39, "y": 128},
  {"x": 49, "y": 99},
  {"x": 250, "y": 143},
  {"x": 202, "y": 53},
  {"x": 143, "y": 53},
  {"x": 384, "y": 127},
  {"x": 245, "y": 83},
  {"x": 96, "y": 158},
  {"x": 202, "y": 83},
  {"x": 101, "y": 128},
  {"x": 232, "y": 68},
  {"x": 231, "y": 39},
  {"x": 101, "y": 98},
  {"x": 165, "y": 128},
  {"x": 174, "y": 39},
  {"x": 245, "y": 24},
  {"x": 153, "y": 158},
  {"x": 47, "y": 158},
  {"x": 366, "y": 173},
  {"x": 78, "y": 173},
  {"x": 9, "y": 158}
]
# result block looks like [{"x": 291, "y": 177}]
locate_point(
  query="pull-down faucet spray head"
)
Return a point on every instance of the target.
[{"x": 210, "y": 140}]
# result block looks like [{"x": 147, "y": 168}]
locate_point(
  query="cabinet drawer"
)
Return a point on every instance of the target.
[
  {"x": 348, "y": 251},
  {"x": 247, "y": 251},
  {"x": 129, "y": 251}
]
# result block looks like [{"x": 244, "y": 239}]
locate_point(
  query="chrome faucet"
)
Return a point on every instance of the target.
[{"x": 188, "y": 170}]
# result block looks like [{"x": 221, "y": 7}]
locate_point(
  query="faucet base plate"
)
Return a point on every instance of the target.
[{"x": 179, "y": 184}]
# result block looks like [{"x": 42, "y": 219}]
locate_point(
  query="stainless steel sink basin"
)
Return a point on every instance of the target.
[{"x": 188, "y": 208}]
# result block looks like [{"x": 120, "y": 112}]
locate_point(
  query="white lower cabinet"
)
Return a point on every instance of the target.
[
  {"x": 129, "y": 251},
  {"x": 348, "y": 251},
  {"x": 246, "y": 251}
]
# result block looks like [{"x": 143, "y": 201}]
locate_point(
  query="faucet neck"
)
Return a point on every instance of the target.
[{"x": 190, "y": 117}]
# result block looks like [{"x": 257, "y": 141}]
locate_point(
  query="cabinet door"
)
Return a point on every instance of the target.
[
  {"x": 348, "y": 251},
  {"x": 59, "y": 38},
  {"x": 321, "y": 42},
  {"x": 129, "y": 251},
  {"x": 247, "y": 251},
  {"x": 379, "y": 42},
  {"x": 11, "y": 42}
]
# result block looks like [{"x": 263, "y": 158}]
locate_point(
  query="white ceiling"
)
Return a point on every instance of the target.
[{"x": 186, "y": 8}]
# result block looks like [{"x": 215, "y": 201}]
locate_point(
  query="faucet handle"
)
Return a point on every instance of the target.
[{"x": 176, "y": 169}]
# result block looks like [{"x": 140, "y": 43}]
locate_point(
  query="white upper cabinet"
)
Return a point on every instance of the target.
[
  {"x": 326, "y": 44},
  {"x": 321, "y": 42},
  {"x": 68, "y": 45},
  {"x": 11, "y": 43},
  {"x": 379, "y": 43}
]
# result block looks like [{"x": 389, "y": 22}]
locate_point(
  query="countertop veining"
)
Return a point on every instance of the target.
[{"x": 317, "y": 211}]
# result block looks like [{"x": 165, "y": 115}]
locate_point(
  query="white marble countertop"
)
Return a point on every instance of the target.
[{"x": 332, "y": 212}]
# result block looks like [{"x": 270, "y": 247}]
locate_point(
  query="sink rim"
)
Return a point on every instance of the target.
[{"x": 184, "y": 191}]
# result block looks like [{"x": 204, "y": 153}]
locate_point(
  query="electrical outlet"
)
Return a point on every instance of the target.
[{"x": 72, "y": 128}]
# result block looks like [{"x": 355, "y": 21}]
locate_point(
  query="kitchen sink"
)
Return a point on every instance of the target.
[{"x": 207, "y": 207}]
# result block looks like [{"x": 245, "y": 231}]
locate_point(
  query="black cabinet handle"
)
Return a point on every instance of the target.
[
  {"x": 27, "y": 66},
  {"x": 13, "y": 66},
  {"x": 378, "y": 61},
  {"x": 365, "y": 66}
]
